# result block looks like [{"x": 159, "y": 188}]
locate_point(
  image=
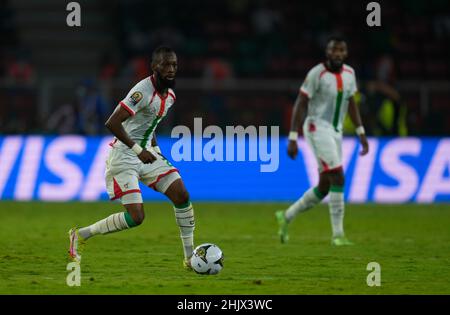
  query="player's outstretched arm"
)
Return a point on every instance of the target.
[
  {"x": 298, "y": 115},
  {"x": 114, "y": 124},
  {"x": 353, "y": 111}
]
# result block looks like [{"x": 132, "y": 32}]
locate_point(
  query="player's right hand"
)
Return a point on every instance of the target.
[
  {"x": 292, "y": 149},
  {"x": 146, "y": 157}
]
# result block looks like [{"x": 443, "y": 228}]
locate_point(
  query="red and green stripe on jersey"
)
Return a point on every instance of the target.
[
  {"x": 160, "y": 115},
  {"x": 155, "y": 122},
  {"x": 339, "y": 97}
]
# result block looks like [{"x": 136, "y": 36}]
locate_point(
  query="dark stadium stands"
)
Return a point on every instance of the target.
[{"x": 225, "y": 41}]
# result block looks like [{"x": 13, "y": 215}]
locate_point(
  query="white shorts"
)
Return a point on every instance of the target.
[
  {"x": 124, "y": 171},
  {"x": 326, "y": 144}
]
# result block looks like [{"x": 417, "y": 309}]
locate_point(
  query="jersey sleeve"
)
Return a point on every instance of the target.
[
  {"x": 136, "y": 99},
  {"x": 311, "y": 83}
]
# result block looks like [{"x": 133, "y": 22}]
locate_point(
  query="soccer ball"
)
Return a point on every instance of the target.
[{"x": 207, "y": 259}]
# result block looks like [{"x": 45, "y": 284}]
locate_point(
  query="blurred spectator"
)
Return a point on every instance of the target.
[
  {"x": 385, "y": 69},
  {"x": 216, "y": 73},
  {"x": 137, "y": 68},
  {"x": 92, "y": 109},
  {"x": 19, "y": 70},
  {"x": 387, "y": 112}
]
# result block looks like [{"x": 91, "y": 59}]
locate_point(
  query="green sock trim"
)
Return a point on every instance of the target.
[
  {"x": 338, "y": 189},
  {"x": 318, "y": 193},
  {"x": 183, "y": 205},
  {"x": 129, "y": 220}
]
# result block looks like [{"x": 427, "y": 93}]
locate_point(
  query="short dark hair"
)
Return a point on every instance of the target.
[
  {"x": 336, "y": 38},
  {"x": 161, "y": 50}
]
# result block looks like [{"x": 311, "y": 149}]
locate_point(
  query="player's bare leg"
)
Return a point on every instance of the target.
[
  {"x": 184, "y": 215},
  {"x": 336, "y": 206},
  {"x": 136, "y": 211},
  {"x": 324, "y": 184},
  {"x": 134, "y": 216},
  {"x": 310, "y": 198}
]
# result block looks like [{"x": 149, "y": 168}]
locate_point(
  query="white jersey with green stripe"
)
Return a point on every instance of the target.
[
  {"x": 329, "y": 93},
  {"x": 147, "y": 108}
]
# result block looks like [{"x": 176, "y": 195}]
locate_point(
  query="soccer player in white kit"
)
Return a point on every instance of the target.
[
  {"x": 135, "y": 156},
  {"x": 325, "y": 96}
]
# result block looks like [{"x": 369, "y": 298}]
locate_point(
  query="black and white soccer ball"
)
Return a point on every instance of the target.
[{"x": 207, "y": 259}]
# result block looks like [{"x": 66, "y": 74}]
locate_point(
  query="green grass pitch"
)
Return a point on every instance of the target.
[{"x": 410, "y": 242}]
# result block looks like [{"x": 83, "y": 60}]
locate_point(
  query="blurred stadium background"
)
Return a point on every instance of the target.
[
  {"x": 254, "y": 53},
  {"x": 240, "y": 63}
]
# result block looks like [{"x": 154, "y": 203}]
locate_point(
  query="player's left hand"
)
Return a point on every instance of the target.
[{"x": 364, "y": 144}]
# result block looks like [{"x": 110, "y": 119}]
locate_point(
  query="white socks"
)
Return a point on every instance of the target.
[
  {"x": 309, "y": 199},
  {"x": 336, "y": 206},
  {"x": 312, "y": 197},
  {"x": 114, "y": 223},
  {"x": 184, "y": 215}
]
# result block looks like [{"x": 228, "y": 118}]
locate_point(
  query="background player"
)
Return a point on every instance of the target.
[
  {"x": 325, "y": 96},
  {"x": 135, "y": 156}
]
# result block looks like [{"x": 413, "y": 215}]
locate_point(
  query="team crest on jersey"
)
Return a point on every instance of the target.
[{"x": 136, "y": 97}]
